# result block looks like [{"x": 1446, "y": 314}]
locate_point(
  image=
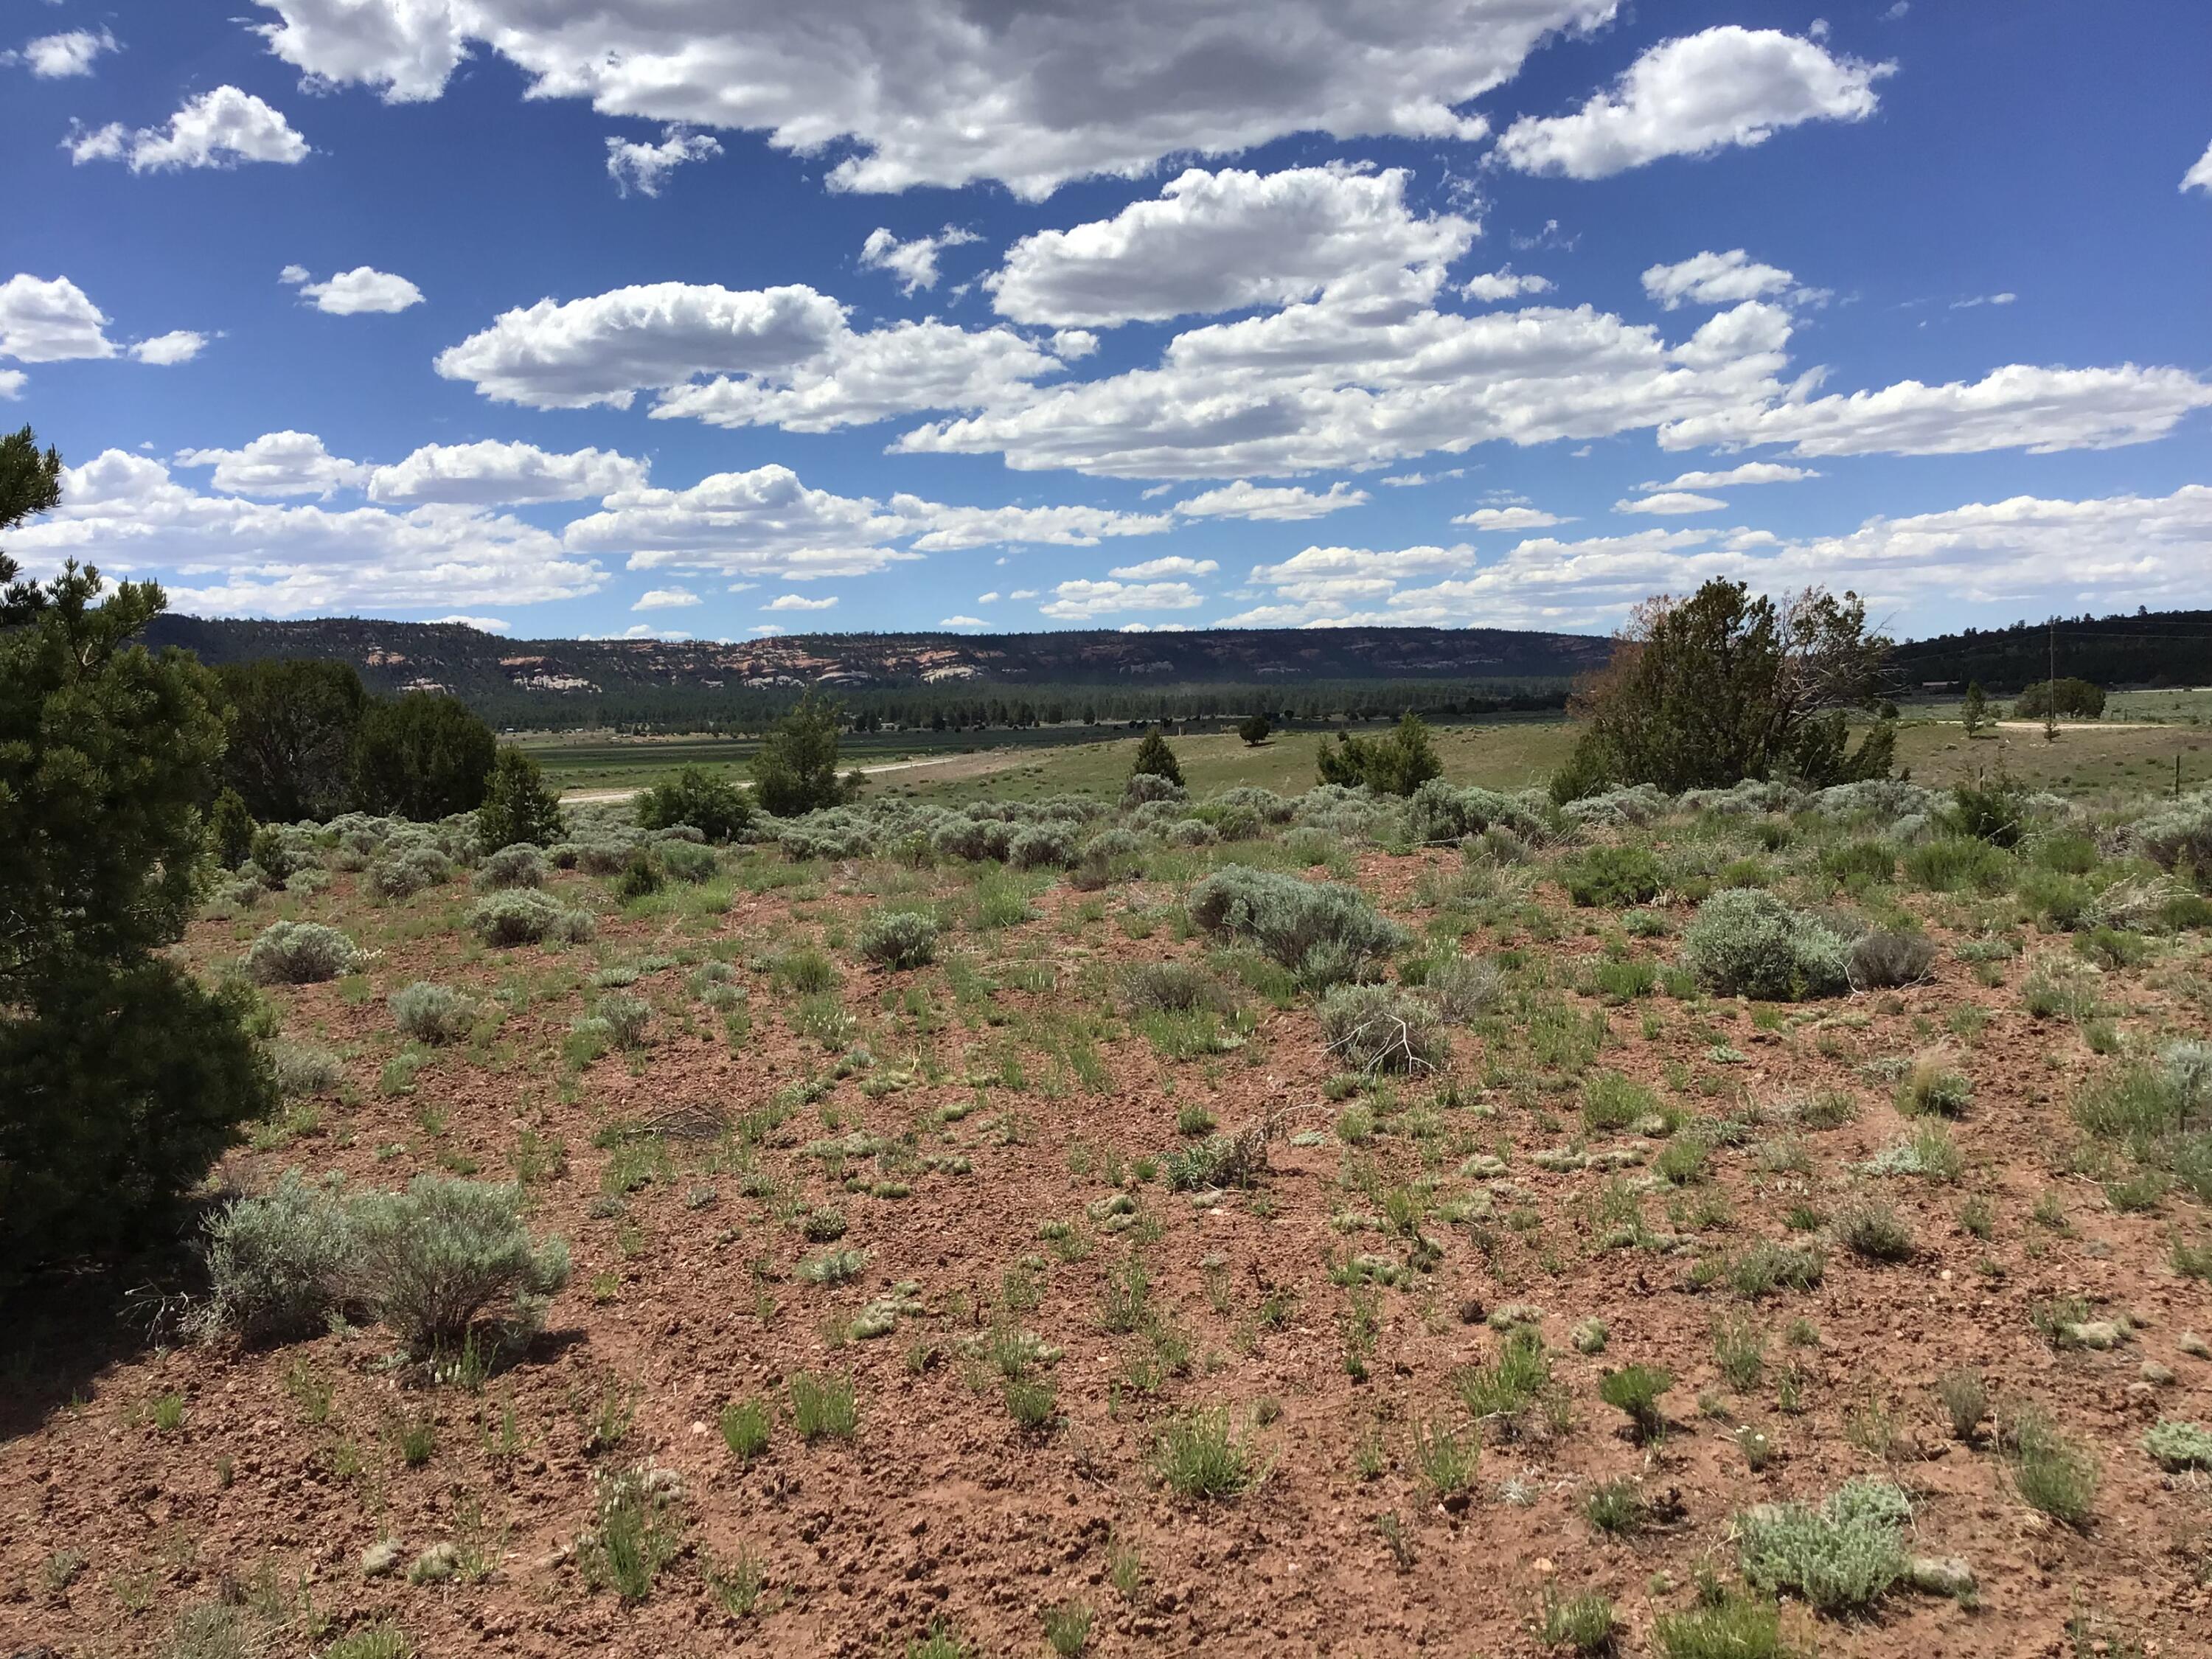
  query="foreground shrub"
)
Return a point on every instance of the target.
[
  {"x": 432, "y": 1014},
  {"x": 2179, "y": 837},
  {"x": 300, "y": 1070},
  {"x": 444, "y": 1256},
  {"x": 1460, "y": 987},
  {"x": 276, "y": 1264},
  {"x": 1042, "y": 847},
  {"x": 1439, "y": 816},
  {"x": 300, "y": 953},
  {"x": 518, "y": 865},
  {"x": 1723, "y": 1626},
  {"x": 1379, "y": 1028},
  {"x": 1324, "y": 932},
  {"x": 1746, "y": 942},
  {"x": 1882, "y": 960},
  {"x": 2174, "y": 1445},
  {"x": 714, "y": 807},
  {"x": 688, "y": 862},
  {"x": 900, "y": 938},
  {"x": 1954, "y": 863},
  {"x": 1840, "y": 1555},
  {"x": 407, "y": 872},
  {"x": 526, "y": 917},
  {"x": 1176, "y": 988},
  {"x": 1611, "y": 876}
]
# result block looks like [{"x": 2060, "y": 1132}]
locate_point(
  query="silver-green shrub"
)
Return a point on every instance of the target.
[
  {"x": 521, "y": 864},
  {"x": 523, "y": 916},
  {"x": 899, "y": 938},
  {"x": 443, "y": 1256},
  {"x": 1839, "y": 1555},
  {"x": 1381, "y": 1028},
  {"x": 432, "y": 1014},
  {"x": 1746, "y": 942},
  {"x": 300, "y": 953},
  {"x": 1322, "y": 932},
  {"x": 277, "y": 1263}
]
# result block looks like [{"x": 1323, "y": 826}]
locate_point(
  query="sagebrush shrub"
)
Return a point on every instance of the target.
[
  {"x": 625, "y": 1019},
  {"x": 1438, "y": 815},
  {"x": 1611, "y": 876},
  {"x": 444, "y": 1256},
  {"x": 900, "y": 938},
  {"x": 519, "y": 865},
  {"x": 277, "y": 1263},
  {"x": 409, "y": 871},
  {"x": 2179, "y": 837},
  {"x": 1746, "y": 942},
  {"x": 301, "y": 953},
  {"x": 1379, "y": 1028},
  {"x": 688, "y": 862},
  {"x": 1462, "y": 986},
  {"x": 1144, "y": 786},
  {"x": 1882, "y": 960},
  {"x": 1840, "y": 1556},
  {"x": 2175, "y": 1445},
  {"x": 525, "y": 916},
  {"x": 1322, "y": 932},
  {"x": 1174, "y": 987},
  {"x": 301, "y": 1071},
  {"x": 1954, "y": 863},
  {"x": 1044, "y": 846},
  {"x": 433, "y": 1014}
]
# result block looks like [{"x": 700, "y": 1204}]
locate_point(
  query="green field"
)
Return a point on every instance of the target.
[{"x": 2134, "y": 749}]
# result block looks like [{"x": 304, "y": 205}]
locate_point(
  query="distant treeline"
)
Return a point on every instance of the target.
[
  {"x": 2148, "y": 648},
  {"x": 972, "y": 707}
]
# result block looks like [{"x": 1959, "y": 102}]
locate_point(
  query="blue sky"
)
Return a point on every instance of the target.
[{"x": 612, "y": 316}]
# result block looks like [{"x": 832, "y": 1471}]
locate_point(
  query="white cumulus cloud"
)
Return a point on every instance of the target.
[
  {"x": 782, "y": 356},
  {"x": 227, "y": 555},
  {"x": 665, "y": 598},
  {"x": 1715, "y": 279},
  {"x": 643, "y": 167},
  {"x": 1751, "y": 472},
  {"x": 1492, "y": 286},
  {"x": 1153, "y": 569},
  {"x": 481, "y": 624},
  {"x": 1215, "y": 241},
  {"x": 351, "y": 293},
  {"x": 49, "y": 320},
  {"x": 490, "y": 473},
  {"x": 1671, "y": 504},
  {"x": 913, "y": 264},
  {"x": 1082, "y": 601},
  {"x": 1691, "y": 96},
  {"x": 1246, "y": 499},
  {"x": 2021, "y": 406},
  {"x": 218, "y": 129},
  {"x": 1511, "y": 518},
  {"x": 2199, "y": 176},
  {"x": 946, "y": 92},
  {"x": 278, "y": 464},
  {"x": 60, "y": 57},
  {"x": 800, "y": 601},
  {"x": 961, "y": 622},
  {"x": 179, "y": 345}
]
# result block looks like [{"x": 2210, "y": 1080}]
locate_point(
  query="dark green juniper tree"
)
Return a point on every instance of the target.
[
  {"x": 125, "y": 1077},
  {"x": 518, "y": 804},
  {"x": 795, "y": 769},
  {"x": 1704, "y": 692},
  {"x": 422, "y": 756}
]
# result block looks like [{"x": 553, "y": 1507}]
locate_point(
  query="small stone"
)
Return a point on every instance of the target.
[
  {"x": 2156, "y": 1375},
  {"x": 380, "y": 1557},
  {"x": 1940, "y": 1574},
  {"x": 435, "y": 1564}
]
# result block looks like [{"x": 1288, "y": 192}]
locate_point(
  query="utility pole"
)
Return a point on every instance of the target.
[{"x": 2050, "y": 685}]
